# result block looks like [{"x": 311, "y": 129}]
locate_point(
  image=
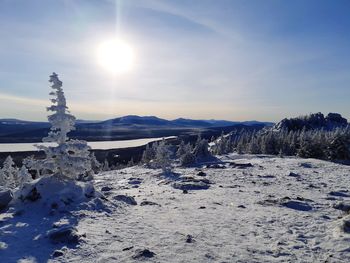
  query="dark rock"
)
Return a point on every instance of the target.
[
  {"x": 241, "y": 165},
  {"x": 189, "y": 239},
  {"x": 241, "y": 206},
  {"x": 143, "y": 203},
  {"x": 57, "y": 253},
  {"x": 195, "y": 180},
  {"x": 306, "y": 165},
  {"x": 33, "y": 195},
  {"x": 136, "y": 181},
  {"x": 185, "y": 191},
  {"x": 296, "y": 205},
  {"x": 216, "y": 166},
  {"x": 202, "y": 207},
  {"x": 126, "y": 199},
  {"x": 67, "y": 234},
  {"x": 267, "y": 176},
  {"x": 106, "y": 189},
  {"x": 191, "y": 186},
  {"x": 143, "y": 253},
  {"x": 127, "y": 248},
  {"x": 339, "y": 193},
  {"x": 5, "y": 198},
  {"x": 191, "y": 183},
  {"x": 346, "y": 226},
  {"x": 343, "y": 207},
  {"x": 293, "y": 174},
  {"x": 201, "y": 173}
]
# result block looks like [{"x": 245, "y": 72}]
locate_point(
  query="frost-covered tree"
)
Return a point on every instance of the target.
[
  {"x": 181, "y": 149},
  {"x": 69, "y": 159},
  {"x": 201, "y": 149},
  {"x": 131, "y": 162},
  {"x": 35, "y": 165},
  {"x": 187, "y": 157},
  {"x": 162, "y": 159},
  {"x": 9, "y": 171},
  {"x": 105, "y": 166},
  {"x": 95, "y": 164},
  {"x": 222, "y": 145},
  {"x": 148, "y": 154},
  {"x": 3, "y": 181},
  {"x": 23, "y": 176}
]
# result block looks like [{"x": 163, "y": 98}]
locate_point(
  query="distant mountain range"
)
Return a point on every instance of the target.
[
  {"x": 180, "y": 122},
  {"x": 121, "y": 128}
]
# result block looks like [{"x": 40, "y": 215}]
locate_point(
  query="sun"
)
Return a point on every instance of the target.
[{"x": 115, "y": 55}]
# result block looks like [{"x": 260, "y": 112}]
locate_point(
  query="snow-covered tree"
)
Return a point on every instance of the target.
[
  {"x": 23, "y": 176},
  {"x": 162, "y": 159},
  {"x": 95, "y": 164},
  {"x": 201, "y": 149},
  {"x": 149, "y": 154},
  {"x": 131, "y": 162},
  {"x": 105, "y": 166},
  {"x": 3, "y": 181},
  {"x": 9, "y": 173},
  {"x": 70, "y": 159},
  {"x": 35, "y": 165},
  {"x": 181, "y": 149},
  {"x": 185, "y": 154}
]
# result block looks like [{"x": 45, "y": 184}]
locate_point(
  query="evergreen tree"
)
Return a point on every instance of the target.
[
  {"x": 148, "y": 154},
  {"x": 162, "y": 159},
  {"x": 9, "y": 171},
  {"x": 181, "y": 149},
  {"x": 23, "y": 176},
  {"x": 70, "y": 159}
]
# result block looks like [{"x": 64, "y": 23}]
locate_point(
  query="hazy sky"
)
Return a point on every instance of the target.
[{"x": 223, "y": 59}]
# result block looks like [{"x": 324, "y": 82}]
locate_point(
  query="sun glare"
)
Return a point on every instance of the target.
[{"x": 115, "y": 56}]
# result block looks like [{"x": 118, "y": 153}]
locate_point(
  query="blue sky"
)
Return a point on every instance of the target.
[{"x": 235, "y": 60}]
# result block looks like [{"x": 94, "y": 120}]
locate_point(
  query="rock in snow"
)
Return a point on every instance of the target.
[
  {"x": 126, "y": 199},
  {"x": 296, "y": 205},
  {"x": 5, "y": 198},
  {"x": 66, "y": 234},
  {"x": 143, "y": 253}
]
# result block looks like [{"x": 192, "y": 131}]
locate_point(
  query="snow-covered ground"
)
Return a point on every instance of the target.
[{"x": 277, "y": 210}]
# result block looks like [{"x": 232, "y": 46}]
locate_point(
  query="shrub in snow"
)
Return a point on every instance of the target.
[
  {"x": 131, "y": 162},
  {"x": 222, "y": 145},
  {"x": 201, "y": 149},
  {"x": 23, "y": 176},
  {"x": 149, "y": 154},
  {"x": 185, "y": 155},
  {"x": 105, "y": 166},
  {"x": 181, "y": 149},
  {"x": 69, "y": 159},
  {"x": 339, "y": 146},
  {"x": 162, "y": 158},
  {"x": 187, "y": 159},
  {"x": 8, "y": 174},
  {"x": 33, "y": 165},
  {"x": 54, "y": 192},
  {"x": 95, "y": 164}
]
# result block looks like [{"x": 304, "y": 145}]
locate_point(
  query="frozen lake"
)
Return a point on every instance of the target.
[{"x": 102, "y": 145}]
